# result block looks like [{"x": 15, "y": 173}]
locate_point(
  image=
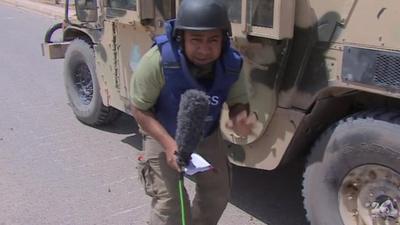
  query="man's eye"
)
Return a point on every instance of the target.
[
  {"x": 214, "y": 41},
  {"x": 196, "y": 40}
]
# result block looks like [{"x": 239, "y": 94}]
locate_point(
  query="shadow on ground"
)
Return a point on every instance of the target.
[
  {"x": 126, "y": 124},
  {"x": 273, "y": 197}
]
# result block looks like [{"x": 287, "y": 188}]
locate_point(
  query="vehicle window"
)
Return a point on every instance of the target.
[
  {"x": 166, "y": 8},
  {"x": 86, "y": 4},
  {"x": 86, "y": 10},
  {"x": 122, "y": 4},
  {"x": 234, "y": 10},
  {"x": 260, "y": 13}
]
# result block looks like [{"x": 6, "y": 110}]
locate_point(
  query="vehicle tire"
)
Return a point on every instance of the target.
[
  {"x": 82, "y": 87},
  {"x": 353, "y": 173}
]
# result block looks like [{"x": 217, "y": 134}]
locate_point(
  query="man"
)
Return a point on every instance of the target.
[{"x": 194, "y": 53}]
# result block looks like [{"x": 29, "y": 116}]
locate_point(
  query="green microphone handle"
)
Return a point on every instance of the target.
[{"x": 181, "y": 197}]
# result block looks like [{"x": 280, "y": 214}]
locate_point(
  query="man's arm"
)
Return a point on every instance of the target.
[
  {"x": 240, "y": 120},
  {"x": 238, "y": 108},
  {"x": 146, "y": 85},
  {"x": 152, "y": 127}
]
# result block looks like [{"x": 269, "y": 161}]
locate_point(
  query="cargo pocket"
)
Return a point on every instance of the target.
[{"x": 146, "y": 177}]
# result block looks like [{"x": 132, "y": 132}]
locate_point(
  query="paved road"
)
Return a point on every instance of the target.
[{"x": 54, "y": 170}]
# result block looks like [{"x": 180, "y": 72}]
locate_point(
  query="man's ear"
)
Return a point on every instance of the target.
[
  {"x": 226, "y": 42},
  {"x": 179, "y": 36}
]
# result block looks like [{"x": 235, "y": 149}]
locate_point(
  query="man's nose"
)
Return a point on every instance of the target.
[{"x": 204, "y": 48}]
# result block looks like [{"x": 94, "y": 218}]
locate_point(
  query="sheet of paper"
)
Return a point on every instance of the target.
[{"x": 197, "y": 164}]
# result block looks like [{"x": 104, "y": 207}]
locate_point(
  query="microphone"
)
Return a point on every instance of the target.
[{"x": 193, "y": 110}]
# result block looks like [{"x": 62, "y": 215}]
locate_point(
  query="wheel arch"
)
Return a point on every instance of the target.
[
  {"x": 343, "y": 102},
  {"x": 71, "y": 33}
]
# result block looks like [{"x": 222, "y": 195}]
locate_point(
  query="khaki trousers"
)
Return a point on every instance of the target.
[{"x": 161, "y": 184}]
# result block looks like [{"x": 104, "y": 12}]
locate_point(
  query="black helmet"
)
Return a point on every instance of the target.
[{"x": 202, "y": 15}]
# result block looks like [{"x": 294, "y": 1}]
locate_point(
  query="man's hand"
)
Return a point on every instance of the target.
[
  {"x": 152, "y": 127},
  {"x": 183, "y": 158},
  {"x": 242, "y": 123},
  {"x": 171, "y": 158}
]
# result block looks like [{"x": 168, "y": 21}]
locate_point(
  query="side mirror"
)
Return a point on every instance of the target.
[
  {"x": 146, "y": 10},
  {"x": 86, "y": 10}
]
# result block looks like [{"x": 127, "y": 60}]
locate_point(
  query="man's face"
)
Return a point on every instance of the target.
[{"x": 203, "y": 47}]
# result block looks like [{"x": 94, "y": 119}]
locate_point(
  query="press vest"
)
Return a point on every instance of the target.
[{"x": 178, "y": 79}]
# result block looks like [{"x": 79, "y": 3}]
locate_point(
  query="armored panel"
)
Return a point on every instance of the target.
[
  {"x": 373, "y": 23},
  {"x": 372, "y": 67}
]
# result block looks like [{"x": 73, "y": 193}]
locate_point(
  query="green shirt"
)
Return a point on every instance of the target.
[{"x": 148, "y": 80}]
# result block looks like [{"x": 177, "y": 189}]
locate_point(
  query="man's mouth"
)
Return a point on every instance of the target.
[{"x": 203, "y": 60}]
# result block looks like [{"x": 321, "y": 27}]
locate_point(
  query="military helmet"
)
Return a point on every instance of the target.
[{"x": 202, "y": 15}]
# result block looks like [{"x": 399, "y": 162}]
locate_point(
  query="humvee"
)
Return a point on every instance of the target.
[{"x": 323, "y": 78}]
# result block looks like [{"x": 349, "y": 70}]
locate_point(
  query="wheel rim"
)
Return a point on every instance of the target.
[
  {"x": 370, "y": 195},
  {"x": 82, "y": 81}
]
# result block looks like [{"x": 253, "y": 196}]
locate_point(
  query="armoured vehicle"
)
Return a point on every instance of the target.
[{"x": 322, "y": 76}]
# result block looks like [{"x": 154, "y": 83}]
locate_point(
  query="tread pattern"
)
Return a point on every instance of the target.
[{"x": 107, "y": 115}]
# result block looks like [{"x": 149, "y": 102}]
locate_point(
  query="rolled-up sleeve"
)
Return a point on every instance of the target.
[
  {"x": 238, "y": 92},
  {"x": 147, "y": 81}
]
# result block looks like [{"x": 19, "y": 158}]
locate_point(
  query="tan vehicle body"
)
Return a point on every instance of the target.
[{"x": 308, "y": 64}]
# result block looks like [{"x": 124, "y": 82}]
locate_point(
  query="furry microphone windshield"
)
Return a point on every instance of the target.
[{"x": 193, "y": 110}]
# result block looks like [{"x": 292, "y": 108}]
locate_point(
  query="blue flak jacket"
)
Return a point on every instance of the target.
[{"x": 178, "y": 79}]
